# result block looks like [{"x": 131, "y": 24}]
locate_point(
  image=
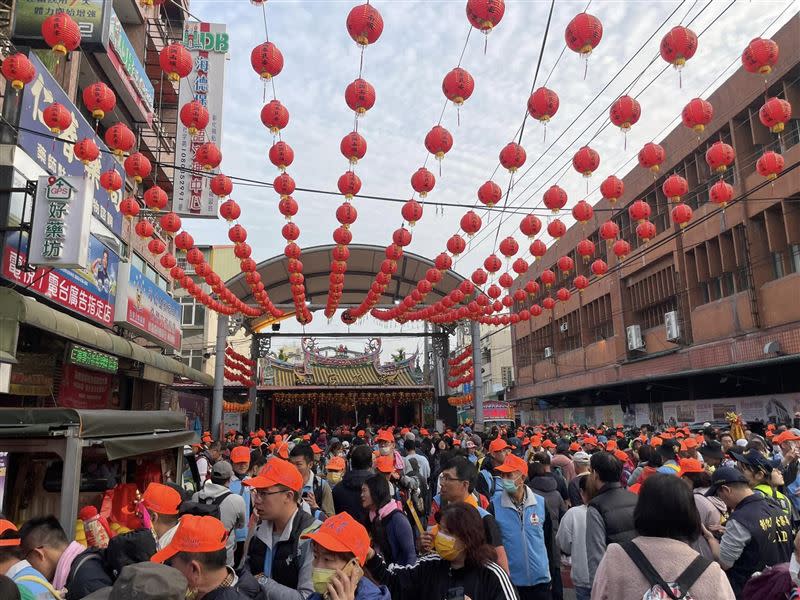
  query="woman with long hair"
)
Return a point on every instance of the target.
[
  {"x": 389, "y": 528},
  {"x": 464, "y": 564}
]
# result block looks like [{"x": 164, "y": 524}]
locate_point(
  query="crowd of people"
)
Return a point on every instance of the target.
[{"x": 407, "y": 513}]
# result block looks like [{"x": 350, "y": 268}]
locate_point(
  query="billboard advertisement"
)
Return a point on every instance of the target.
[
  {"x": 81, "y": 388},
  {"x": 147, "y": 309},
  {"x": 208, "y": 44},
  {"x": 92, "y": 16},
  {"x": 88, "y": 292},
  {"x": 123, "y": 66}
]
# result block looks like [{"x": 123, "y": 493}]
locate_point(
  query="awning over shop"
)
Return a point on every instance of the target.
[{"x": 16, "y": 308}]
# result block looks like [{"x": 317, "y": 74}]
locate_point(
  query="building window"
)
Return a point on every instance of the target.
[
  {"x": 523, "y": 350},
  {"x": 652, "y": 297},
  {"x": 795, "y": 250},
  {"x": 137, "y": 261},
  {"x": 777, "y": 265},
  {"x": 541, "y": 343},
  {"x": 507, "y": 375},
  {"x": 194, "y": 358},
  {"x": 569, "y": 331},
  {"x": 193, "y": 314},
  {"x": 599, "y": 323}
]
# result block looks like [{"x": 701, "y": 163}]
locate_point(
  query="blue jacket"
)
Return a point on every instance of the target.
[
  {"x": 24, "y": 575},
  {"x": 236, "y": 487},
  {"x": 366, "y": 590},
  {"x": 524, "y": 537}
]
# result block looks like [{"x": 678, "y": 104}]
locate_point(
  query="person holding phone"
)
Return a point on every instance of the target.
[
  {"x": 341, "y": 545},
  {"x": 463, "y": 567}
]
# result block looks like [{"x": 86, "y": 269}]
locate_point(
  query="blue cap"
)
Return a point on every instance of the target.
[{"x": 724, "y": 476}]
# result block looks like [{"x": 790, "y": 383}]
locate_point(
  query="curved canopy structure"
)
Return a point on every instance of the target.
[{"x": 364, "y": 262}]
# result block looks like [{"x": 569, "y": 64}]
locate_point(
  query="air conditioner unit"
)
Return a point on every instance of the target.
[
  {"x": 563, "y": 327},
  {"x": 548, "y": 352},
  {"x": 635, "y": 341},
  {"x": 672, "y": 326}
]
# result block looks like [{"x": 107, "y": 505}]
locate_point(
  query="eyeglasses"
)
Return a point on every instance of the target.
[
  {"x": 447, "y": 478},
  {"x": 265, "y": 493}
]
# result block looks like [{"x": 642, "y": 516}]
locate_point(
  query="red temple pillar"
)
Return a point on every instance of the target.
[{"x": 314, "y": 417}]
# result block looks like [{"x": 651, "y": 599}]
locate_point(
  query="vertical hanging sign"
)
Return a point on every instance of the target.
[{"x": 208, "y": 45}]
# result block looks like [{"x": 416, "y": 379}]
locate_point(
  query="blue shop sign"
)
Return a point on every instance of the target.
[
  {"x": 130, "y": 62},
  {"x": 56, "y": 156}
]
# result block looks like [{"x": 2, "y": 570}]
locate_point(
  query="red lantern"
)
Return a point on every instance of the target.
[
  {"x": 86, "y": 150},
  {"x": 175, "y": 61},
  {"x": 288, "y": 207},
  {"x": 721, "y": 193},
  {"x": 479, "y": 277},
  {"x": 697, "y": 114},
  {"x": 760, "y": 56},
  {"x": 599, "y": 267},
  {"x": 237, "y": 234},
  {"x": 675, "y": 187},
  {"x": 530, "y": 225},
  {"x": 646, "y": 231},
  {"x": 612, "y": 188},
  {"x": 458, "y": 86},
  {"x": 194, "y": 256},
  {"x": 586, "y": 161},
  {"x": 583, "y": 33},
  {"x": 555, "y": 198},
  {"x": 538, "y": 249},
  {"x": 229, "y": 210},
  {"x": 281, "y": 154},
  {"x": 565, "y": 264},
  {"x": 290, "y": 232},
  {"x": 194, "y": 116},
  {"x": 720, "y": 156},
  {"x": 61, "y": 33},
  {"x": 129, "y": 207},
  {"x": 144, "y": 229},
  {"x": 156, "y": 246},
  {"x": 625, "y": 112},
  {"x": 485, "y": 14},
  {"x": 248, "y": 265},
  {"x": 532, "y": 287},
  {"x": 471, "y": 223},
  {"x": 681, "y": 215},
  {"x": 580, "y": 283},
  {"x": 347, "y": 214},
  {"x": 456, "y": 245},
  {"x": 208, "y": 156},
  {"x": 168, "y": 261},
  {"x": 585, "y": 249},
  {"x": 770, "y": 164},
  {"x": 443, "y": 262},
  {"x": 651, "y": 156},
  {"x": 242, "y": 250},
  {"x": 119, "y": 138},
  {"x": 99, "y": 99},
  {"x": 556, "y": 228},
  {"x": 57, "y": 117},
  {"x": 349, "y": 184},
  {"x": 18, "y": 69},
  {"x": 582, "y": 212},
  {"x": 609, "y": 231},
  {"x": 360, "y": 96},
  {"x": 364, "y": 24},
  {"x": 221, "y": 185},
  {"x": 509, "y": 247},
  {"x": 170, "y": 223},
  {"x": 283, "y": 184},
  {"x": 176, "y": 273},
  {"x": 353, "y": 147},
  {"x": 275, "y": 117},
  {"x": 520, "y": 266},
  {"x": 495, "y": 292},
  {"x": 411, "y": 212},
  {"x": 506, "y": 280},
  {"x": 536, "y": 310},
  {"x": 423, "y": 181},
  {"x": 155, "y": 198},
  {"x": 621, "y": 249},
  {"x": 292, "y": 250},
  {"x": 266, "y": 60},
  {"x": 548, "y": 278},
  {"x": 438, "y": 141},
  {"x": 678, "y": 46},
  {"x": 775, "y": 113},
  {"x": 639, "y": 211},
  {"x": 433, "y": 275},
  {"x": 489, "y": 193},
  {"x": 111, "y": 181},
  {"x": 342, "y": 236},
  {"x": 543, "y": 104},
  {"x": 137, "y": 166},
  {"x": 512, "y": 156},
  {"x": 492, "y": 263}
]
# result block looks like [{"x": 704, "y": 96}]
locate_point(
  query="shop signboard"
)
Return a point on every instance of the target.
[
  {"x": 123, "y": 64},
  {"x": 208, "y": 45},
  {"x": 61, "y": 223},
  {"x": 147, "y": 309},
  {"x": 89, "y": 358},
  {"x": 231, "y": 420},
  {"x": 88, "y": 292},
  {"x": 32, "y": 375},
  {"x": 57, "y": 157},
  {"x": 92, "y": 16},
  {"x": 82, "y": 388}
]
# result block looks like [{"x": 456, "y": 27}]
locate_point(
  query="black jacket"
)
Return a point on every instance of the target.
[
  {"x": 615, "y": 506},
  {"x": 347, "y": 494},
  {"x": 286, "y": 556},
  {"x": 88, "y": 573},
  {"x": 248, "y": 586}
]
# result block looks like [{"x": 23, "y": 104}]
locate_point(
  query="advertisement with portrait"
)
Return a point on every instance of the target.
[{"x": 145, "y": 308}]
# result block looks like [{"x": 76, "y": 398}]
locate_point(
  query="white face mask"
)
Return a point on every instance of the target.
[{"x": 794, "y": 569}]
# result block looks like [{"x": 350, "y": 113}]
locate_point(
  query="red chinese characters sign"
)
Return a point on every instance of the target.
[{"x": 81, "y": 388}]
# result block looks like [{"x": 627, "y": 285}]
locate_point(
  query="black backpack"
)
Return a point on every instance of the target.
[
  {"x": 677, "y": 590},
  {"x": 424, "y": 490},
  {"x": 207, "y": 507}
]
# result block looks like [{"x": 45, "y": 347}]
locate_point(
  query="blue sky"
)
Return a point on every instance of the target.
[{"x": 421, "y": 42}]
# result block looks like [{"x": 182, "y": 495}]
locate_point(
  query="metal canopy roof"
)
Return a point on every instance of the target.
[{"x": 364, "y": 262}]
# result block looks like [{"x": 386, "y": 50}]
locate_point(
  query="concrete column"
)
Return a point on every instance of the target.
[
  {"x": 219, "y": 375},
  {"x": 477, "y": 378},
  {"x": 252, "y": 393}
]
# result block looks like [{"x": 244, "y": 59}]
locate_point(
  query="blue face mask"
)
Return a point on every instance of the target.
[{"x": 510, "y": 486}]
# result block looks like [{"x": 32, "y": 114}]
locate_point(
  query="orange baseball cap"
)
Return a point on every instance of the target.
[
  {"x": 283, "y": 451},
  {"x": 316, "y": 449},
  {"x": 207, "y": 439},
  {"x": 656, "y": 441},
  {"x": 256, "y": 443},
  {"x": 620, "y": 455},
  {"x": 384, "y": 436},
  {"x": 548, "y": 444},
  {"x": 360, "y": 433},
  {"x": 261, "y": 433},
  {"x": 513, "y": 464},
  {"x": 785, "y": 436},
  {"x": 385, "y": 464},
  {"x": 342, "y": 533},
  {"x": 574, "y": 447},
  {"x": 307, "y": 437},
  {"x": 456, "y": 442},
  {"x": 9, "y": 526},
  {"x": 611, "y": 445},
  {"x": 423, "y": 431},
  {"x": 161, "y": 499},
  {"x": 240, "y": 454},
  {"x": 277, "y": 472},
  {"x": 498, "y": 444},
  {"x": 194, "y": 534},
  {"x": 335, "y": 464},
  {"x": 688, "y": 444},
  {"x": 536, "y": 441},
  {"x": 690, "y": 465}
]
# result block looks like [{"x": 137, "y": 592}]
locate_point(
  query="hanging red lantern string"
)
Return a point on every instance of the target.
[
  {"x": 697, "y": 114},
  {"x": 194, "y": 116},
  {"x": 651, "y": 156},
  {"x": 137, "y": 166},
  {"x": 583, "y": 34},
  {"x": 18, "y": 69},
  {"x": 176, "y": 61},
  {"x": 677, "y": 46},
  {"x": 760, "y": 56},
  {"x": 542, "y": 106},
  {"x": 99, "y": 99},
  {"x": 625, "y": 112},
  {"x": 61, "y": 33}
]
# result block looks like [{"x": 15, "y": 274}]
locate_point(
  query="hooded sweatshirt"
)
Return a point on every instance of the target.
[{"x": 347, "y": 494}]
